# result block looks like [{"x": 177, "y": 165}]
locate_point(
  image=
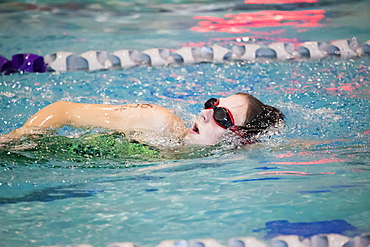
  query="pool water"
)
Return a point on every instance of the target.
[{"x": 316, "y": 170}]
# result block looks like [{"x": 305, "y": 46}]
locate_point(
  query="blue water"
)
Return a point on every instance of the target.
[{"x": 317, "y": 170}]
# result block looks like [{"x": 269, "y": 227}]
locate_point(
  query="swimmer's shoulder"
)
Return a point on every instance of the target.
[{"x": 150, "y": 117}]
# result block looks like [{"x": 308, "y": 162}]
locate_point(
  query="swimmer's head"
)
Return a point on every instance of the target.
[{"x": 240, "y": 115}]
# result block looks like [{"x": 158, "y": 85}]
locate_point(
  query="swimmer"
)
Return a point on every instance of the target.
[{"x": 240, "y": 116}]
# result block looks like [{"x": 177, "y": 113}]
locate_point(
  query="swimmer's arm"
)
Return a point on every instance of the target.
[
  {"x": 122, "y": 118},
  {"x": 44, "y": 121}
]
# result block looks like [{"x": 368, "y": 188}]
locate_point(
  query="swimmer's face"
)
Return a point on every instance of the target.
[{"x": 206, "y": 131}]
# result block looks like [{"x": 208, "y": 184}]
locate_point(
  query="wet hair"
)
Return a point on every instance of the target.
[{"x": 260, "y": 119}]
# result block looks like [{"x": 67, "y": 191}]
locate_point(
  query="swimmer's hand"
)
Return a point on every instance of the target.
[{"x": 16, "y": 135}]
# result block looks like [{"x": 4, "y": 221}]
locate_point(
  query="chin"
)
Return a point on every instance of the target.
[{"x": 195, "y": 139}]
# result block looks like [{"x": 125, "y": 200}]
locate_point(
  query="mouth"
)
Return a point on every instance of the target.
[{"x": 195, "y": 129}]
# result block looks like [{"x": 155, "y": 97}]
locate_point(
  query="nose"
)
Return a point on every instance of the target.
[{"x": 206, "y": 115}]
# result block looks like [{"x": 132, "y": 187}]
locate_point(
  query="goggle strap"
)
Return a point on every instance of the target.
[{"x": 246, "y": 134}]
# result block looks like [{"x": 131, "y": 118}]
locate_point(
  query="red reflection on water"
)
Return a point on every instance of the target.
[
  {"x": 305, "y": 163},
  {"x": 293, "y": 173},
  {"x": 278, "y": 1},
  {"x": 240, "y": 23}
]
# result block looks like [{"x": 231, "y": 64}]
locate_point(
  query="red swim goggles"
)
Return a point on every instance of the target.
[
  {"x": 225, "y": 119},
  {"x": 221, "y": 115}
]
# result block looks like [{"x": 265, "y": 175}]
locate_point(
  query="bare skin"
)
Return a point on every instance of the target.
[
  {"x": 133, "y": 118},
  {"x": 208, "y": 132},
  {"x": 124, "y": 118}
]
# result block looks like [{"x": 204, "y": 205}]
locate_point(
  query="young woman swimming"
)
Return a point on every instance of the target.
[{"x": 240, "y": 116}]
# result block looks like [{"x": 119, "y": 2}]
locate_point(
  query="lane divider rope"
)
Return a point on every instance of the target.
[
  {"x": 63, "y": 61},
  {"x": 320, "y": 240}
]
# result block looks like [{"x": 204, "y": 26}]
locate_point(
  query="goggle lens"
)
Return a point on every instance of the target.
[{"x": 221, "y": 115}]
